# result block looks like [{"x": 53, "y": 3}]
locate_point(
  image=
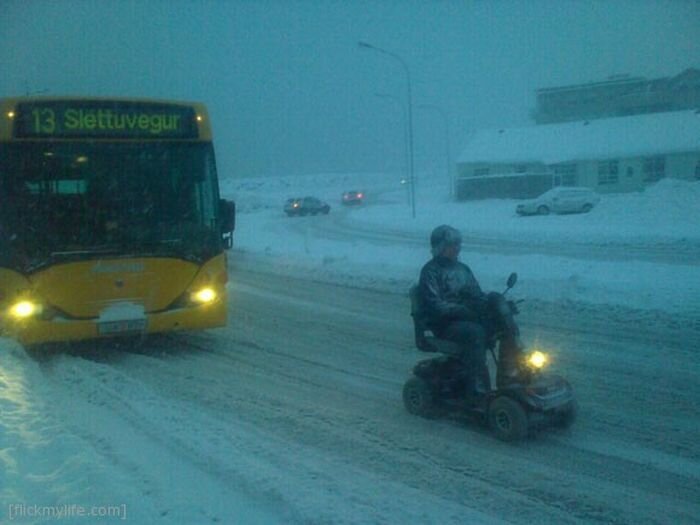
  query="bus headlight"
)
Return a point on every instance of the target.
[
  {"x": 24, "y": 309},
  {"x": 537, "y": 359},
  {"x": 204, "y": 296}
]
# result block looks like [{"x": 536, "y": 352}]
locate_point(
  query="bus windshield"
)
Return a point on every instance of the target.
[{"x": 74, "y": 200}]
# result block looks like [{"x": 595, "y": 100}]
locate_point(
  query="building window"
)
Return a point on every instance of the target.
[
  {"x": 653, "y": 169},
  {"x": 520, "y": 168},
  {"x": 567, "y": 173},
  {"x": 608, "y": 172},
  {"x": 480, "y": 172},
  {"x": 697, "y": 170}
]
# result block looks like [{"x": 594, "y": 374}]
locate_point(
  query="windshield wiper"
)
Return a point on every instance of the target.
[{"x": 85, "y": 251}]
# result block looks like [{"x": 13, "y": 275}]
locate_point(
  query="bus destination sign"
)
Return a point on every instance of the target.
[{"x": 104, "y": 119}]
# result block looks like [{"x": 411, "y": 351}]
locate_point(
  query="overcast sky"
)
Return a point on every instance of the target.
[{"x": 290, "y": 91}]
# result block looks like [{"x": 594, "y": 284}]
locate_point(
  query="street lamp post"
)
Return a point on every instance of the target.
[
  {"x": 405, "y": 135},
  {"x": 448, "y": 158},
  {"x": 412, "y": 181}
]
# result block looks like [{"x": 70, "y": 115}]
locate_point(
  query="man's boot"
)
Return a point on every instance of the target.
[{"x": 477, "y": 385}]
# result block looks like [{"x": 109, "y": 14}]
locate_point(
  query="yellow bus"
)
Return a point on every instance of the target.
[{"x": 110, "y": 219}]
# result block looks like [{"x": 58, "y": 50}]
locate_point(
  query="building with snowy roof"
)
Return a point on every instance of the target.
[
  {"x": 617, "y": 96},
  {"x": 608, "y": 155}
]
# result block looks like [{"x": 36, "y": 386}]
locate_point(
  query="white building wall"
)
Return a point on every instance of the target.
[
  {"x": 587, "y": 173},
  {"x": 630, "y": 171},
  {"x": 471, "y": 169},
  {"x": 683, "y": 166}
]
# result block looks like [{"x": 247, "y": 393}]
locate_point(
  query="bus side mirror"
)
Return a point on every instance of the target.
[
  {"x": 227, "y": 213},
  {"x": 227, "y": 218}
]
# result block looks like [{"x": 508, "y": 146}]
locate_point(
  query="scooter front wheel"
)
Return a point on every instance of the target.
[
  {"x": 507, "y": 419},
  {"x": 418, "y": 397}
]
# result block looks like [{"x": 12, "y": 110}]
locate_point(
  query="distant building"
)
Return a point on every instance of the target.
[
  {"x": 617, "y": 96},
  {"x": 608, "y": 155}
]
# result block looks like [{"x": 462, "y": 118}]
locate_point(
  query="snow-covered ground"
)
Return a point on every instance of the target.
[
  {"x": 276, "y": 419},
  {"x": 55, "y": 469},
  {"x": 640, "y": 250}
]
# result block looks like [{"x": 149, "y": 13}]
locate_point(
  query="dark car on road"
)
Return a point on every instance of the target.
[
  {"x": 306, "y": 206},
  {"x": 353, "y": 197}
]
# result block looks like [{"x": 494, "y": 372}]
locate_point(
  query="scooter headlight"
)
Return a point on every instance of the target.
[{"x": 537, "y": 359}]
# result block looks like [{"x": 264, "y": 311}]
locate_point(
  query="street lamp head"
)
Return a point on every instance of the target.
[{"x": 365, "y": 45}]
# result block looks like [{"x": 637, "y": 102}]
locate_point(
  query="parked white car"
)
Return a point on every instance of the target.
[{"x": 562, "y": 199}]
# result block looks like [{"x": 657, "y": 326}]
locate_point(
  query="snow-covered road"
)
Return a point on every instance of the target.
[{"x": 293, "y": 414}]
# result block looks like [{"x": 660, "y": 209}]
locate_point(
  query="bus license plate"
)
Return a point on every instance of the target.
[{"x": 122, "y": 327}]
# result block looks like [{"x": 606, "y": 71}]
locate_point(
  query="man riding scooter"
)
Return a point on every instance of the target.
[
  {"x": 465, "y": 323},
  {"x": 456, "y": 309}
]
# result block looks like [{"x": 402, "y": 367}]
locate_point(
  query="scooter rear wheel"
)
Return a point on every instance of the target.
[
  {"x": 507, "y": 419},
  {"x": 418, "y": 397}
]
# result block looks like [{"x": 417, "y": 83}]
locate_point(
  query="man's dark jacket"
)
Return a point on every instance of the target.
[{"x": 448, "y": 291}]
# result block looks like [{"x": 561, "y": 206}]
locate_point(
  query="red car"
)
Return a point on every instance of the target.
[{"x": 353, "y": 197}]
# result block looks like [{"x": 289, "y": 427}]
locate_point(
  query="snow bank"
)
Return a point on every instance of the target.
[
  {"x": 46, "y": 473},
  {"x": 69, "y": 453}
]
